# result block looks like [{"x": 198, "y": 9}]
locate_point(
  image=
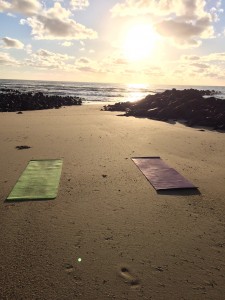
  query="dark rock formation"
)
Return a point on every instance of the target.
[
  {"x": 13, "y": 100},
  {"x": 188, "y": 105}
]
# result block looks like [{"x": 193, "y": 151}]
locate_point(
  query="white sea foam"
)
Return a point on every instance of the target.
[{"x": 98, "y": 92}]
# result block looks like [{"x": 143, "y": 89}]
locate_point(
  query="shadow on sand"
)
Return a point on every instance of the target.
[{"x": 180, "y": 192}]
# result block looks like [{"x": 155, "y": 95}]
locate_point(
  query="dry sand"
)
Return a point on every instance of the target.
[{"x": 133, "y": 242}]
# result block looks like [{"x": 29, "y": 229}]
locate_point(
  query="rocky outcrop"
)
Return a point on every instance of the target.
[
  {"x": 188, "y": 105},
  {"x": 13, "y": 100}
]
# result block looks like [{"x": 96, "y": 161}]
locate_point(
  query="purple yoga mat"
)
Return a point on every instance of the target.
[{"x": 160, "y": 175}]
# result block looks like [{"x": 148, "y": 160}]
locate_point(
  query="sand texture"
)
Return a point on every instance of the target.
[{"x": 109, "y": 234}]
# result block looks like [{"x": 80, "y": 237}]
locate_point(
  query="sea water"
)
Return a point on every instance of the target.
[{"x": 92, "y": 92}]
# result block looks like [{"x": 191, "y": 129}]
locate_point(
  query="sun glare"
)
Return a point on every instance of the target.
[
  {"x": 137, "y": 91},
  {"x": 139, "y": 42}
]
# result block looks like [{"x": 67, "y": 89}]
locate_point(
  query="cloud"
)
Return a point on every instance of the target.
[
  {"x": 201, "y": 66},
  {"x": 45, "y": 59},
  {"x": 142, "y": 7},
  {"x": 26, "y": 7},
  {"x": 79, "y": 4},
  {"x": 154, "y": 71},
  {"x": 120, "y": 61},
  {"x": 49, "y": 54},
  {"x": 185, "y": 33},
  {"x": 216, "y": 11},
  {"x": 12, "y": 43},
  {"x": 87, "y": 69},
  {"x": 11, "y": 15},
  {"x": 114, "y": 63},
  {"x": 190, "y": 57},
  {"x": 67, "y": 44},
  {"x": 218, "y": 57},
  {"x": 85, "y": 64},
  {"x": 83, "y": 60},
  {"x": 56, "y": 24},
  {"x": 185, "y": 8},
  {"x": 28, "y": 48},
  {"x": 185, "y": 22},
  {"x": 6, "y": 59},
  {"x": 210, "y": 66},
  {"x": 4, "y": 5}
]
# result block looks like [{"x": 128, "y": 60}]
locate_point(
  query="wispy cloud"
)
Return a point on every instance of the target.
[
  {"x": 79, "y": 4},
  {"x": 6, "y": 59},
  {"x": 190, "y": 57},
  {"x": 67, "y": 44},
  {"x": 85, "y": 64},
  {"x": 83, "y": 60},
  {"x": 28, "y": 48},
  {"x": 45, "y": 59},
  {"x": 200, "y": 66},
  {"x": 204, "y": 66},
  {"x": 11, "y": 15},
  {"x": 216, "y": 11},
  {"x": 217, "y": 57}
]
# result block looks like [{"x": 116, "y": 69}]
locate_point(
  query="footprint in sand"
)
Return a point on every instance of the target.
[{"x": 128, "y": 277}]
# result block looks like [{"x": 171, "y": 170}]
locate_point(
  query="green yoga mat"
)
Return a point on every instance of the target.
[{"x": 40, "y": 180}]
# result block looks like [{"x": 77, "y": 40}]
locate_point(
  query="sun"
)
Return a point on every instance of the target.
[{"x": 139, "y": 42}]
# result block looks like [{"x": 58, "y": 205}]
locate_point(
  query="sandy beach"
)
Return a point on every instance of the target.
[{"x": 109, "y": 234}]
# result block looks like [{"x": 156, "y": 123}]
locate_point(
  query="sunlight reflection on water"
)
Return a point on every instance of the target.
[{"x": 138, "y": 91}]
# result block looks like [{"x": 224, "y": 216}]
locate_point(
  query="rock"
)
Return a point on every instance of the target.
[
  {"x": 13, "y": 100},
  {"x": 189, "y": 105}
]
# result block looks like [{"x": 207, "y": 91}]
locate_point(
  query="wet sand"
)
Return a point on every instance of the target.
[{"x": 109, "y": 234}]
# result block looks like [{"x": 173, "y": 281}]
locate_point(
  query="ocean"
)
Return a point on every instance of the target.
[{"x": 92, "y": 92}]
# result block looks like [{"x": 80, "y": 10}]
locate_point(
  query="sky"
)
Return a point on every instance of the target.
[{"x": 118, "y": 41}]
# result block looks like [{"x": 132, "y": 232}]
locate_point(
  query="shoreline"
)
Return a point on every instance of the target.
[
  {"x": 190, "y": 106},
  {"x": 132, "y": 241}
]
